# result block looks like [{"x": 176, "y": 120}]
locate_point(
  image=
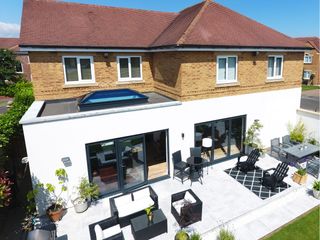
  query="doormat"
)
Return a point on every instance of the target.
[{"x": 252, "y": 181}]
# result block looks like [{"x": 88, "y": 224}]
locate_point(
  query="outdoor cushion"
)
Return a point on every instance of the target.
[
  {"x": 189, "y": 198},
  {"x": 178, "y": 205},
  {"x": 99, "y": 232},
  {"x": 123, "y": 200},
  {"x": 141, "y": 194},
  {"x": 135, "y": 206},
  {"x": 111, "y": 231}
]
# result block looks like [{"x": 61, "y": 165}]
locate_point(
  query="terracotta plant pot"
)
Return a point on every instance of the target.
[
  {"x": 300, "y": 179},
  {"x": 55, "y": 215}
]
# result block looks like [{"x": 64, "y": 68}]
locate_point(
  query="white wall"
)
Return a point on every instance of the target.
[
  {"x": 48, "y": 142},
  {"x": 311, "y": 121}
]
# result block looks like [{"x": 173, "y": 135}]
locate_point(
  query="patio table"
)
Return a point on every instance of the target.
[
  {"x": 142, "y": 229},
  {"x": 196, "y": 165},
  {"x": 301, "y": 150}
]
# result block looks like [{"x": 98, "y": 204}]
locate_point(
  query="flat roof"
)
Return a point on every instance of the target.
[
  {"x": 64, "y": 106},
  {"x": 62, "y": 109}
]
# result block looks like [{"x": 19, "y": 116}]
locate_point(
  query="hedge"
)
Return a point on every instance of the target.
[{"x": 9, "y": 121}]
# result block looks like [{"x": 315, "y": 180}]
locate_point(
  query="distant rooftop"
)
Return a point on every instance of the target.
[{"x": 66, "y": 106}]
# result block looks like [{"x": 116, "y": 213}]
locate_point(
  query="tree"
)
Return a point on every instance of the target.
[{"x": 8, "y": 65}]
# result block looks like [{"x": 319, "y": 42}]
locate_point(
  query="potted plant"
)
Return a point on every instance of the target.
[
  {"x": 181, "y": 235},
  {"x": 316, "y": 189},
  {"x": 5, "y": 189},
  {"x": 55, "y": 210},
  {"x": 149, "y": 213},
  {"x": 225, "y": 234},
  {"x": 297, "y": 133},
  {"x": 252, "y": 139},
  {"x": 300, "y": 176},
  {"x": 195, "y": 236},
  {"x": 87, "y": 192}
]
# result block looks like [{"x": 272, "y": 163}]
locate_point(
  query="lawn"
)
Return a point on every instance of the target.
[
  {"x": 307, "y": 88},
  {"x": 304, "y": 227}
]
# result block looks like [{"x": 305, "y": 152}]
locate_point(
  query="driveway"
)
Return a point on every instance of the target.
[{"x": 310, "y": 100}]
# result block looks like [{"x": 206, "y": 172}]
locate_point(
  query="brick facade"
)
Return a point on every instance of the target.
[
  {"x": 314, "y": 67},
  {"x": 48, "y": 75},
  {"x": 180, "y": 75}
]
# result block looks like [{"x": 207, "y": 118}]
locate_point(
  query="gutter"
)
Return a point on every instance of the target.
[{"x": 161, "y": 49}]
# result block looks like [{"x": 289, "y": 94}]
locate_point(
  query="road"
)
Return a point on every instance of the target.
[{"x": 310, "y": 100}]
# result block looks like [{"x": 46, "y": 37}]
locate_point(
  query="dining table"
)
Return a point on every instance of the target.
[
  {"x": 302, "y": 150},
  {"x": 298, "y": 152}
]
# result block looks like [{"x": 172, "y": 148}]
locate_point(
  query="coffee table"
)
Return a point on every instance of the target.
[{"x": 142, "y": 229}]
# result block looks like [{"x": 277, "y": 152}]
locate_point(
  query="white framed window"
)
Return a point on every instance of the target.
[
  {"x": 307, "y": 74},
  {"x": 307, "y": 58},
  {"x": 275, "y": 67},
  {"x": 227, "y": 67},
  {"x": 129, "y": 68},
  {"x": 19, "y": 67},
  {"x": 78, "y": 69}
]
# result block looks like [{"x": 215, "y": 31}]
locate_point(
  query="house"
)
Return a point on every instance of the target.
[
  {"x": 13, "y": 45},
  {"x": 207, "y": 71},
  {"x": 311, "y": 67}
]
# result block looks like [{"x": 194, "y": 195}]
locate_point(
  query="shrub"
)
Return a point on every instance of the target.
[
  {"x": 316, "y": 185},
  {"x": 88, "y": 190},
  {"x": 195, "y": 236},
  {"x": 225, "y": 234},
  {"x": 252, "y": 136},
  {"x": 182, "y": 235},
  {"x": 297, "y": 132},
  {"x": 5, "y": 189},
  {"x": 302, "y": 171},
  {"x": 9, "y": 121}
]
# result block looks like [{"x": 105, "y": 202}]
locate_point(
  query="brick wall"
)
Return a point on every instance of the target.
[
  {"x": 196, "y": 73},
  {"x": 314, "y": 67},
  {"x": 48, "y": 75},
  {"x": 180, "y": 75}
]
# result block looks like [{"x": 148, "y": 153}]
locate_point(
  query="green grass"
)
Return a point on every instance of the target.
[
  {"x": 304, "y": 227},
  {"x": 307, "y": 88}
]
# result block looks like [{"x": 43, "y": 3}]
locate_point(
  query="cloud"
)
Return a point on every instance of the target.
[{"x": 9, "y": 29}]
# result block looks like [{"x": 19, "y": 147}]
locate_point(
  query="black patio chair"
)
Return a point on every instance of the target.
[
  {"x": 196, "y": 152},
  {"x": 178, "y": 165},
  {"x": 271, "y": 181},
  {"x": 249, "y": 163}
]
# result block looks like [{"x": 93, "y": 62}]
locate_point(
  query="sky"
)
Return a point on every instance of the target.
[{"x": 291, "y": 17}]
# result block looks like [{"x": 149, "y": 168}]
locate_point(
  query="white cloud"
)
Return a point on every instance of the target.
[{"x": 9, "y": 29}]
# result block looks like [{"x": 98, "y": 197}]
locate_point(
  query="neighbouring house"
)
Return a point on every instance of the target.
[
  {"x": 206, "y": 72},
  {"x": 311, "y": 67},
  {"x": 23, "y": 58}
]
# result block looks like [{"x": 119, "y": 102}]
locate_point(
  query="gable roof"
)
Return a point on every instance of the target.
[
  {"x": 312, "y": 41},
  {"x": 53, "y": 23},
  {"x": 50, "y": 23},
  {"x": 9, "y": 43}
]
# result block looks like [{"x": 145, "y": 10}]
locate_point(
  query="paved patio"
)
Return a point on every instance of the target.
[{"x": 225, "y": 203}]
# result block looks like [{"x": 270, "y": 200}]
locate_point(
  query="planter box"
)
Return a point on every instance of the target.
[{"x": 299, "y": 179}]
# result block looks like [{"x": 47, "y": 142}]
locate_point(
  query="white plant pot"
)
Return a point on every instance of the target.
[
  {"x": 316, "y": 194},
  {"x": 79, "y": 206}
]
